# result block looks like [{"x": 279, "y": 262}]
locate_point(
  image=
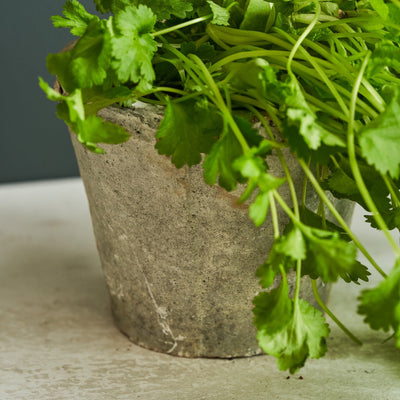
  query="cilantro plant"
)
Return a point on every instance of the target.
[{"x": 325, "y": 74}]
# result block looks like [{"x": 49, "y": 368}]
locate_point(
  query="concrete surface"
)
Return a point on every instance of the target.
[{"x": 58, "y": 340}]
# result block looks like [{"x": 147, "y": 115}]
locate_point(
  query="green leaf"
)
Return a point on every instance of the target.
[
  {"x": 380, "y": 7},
  {"x": 225, "y": 152},
  {"x": 343, "y": 186},
  {"x": 328, "y": 256},
  {"x": 220, "y": 14},
  {"x": 91, "y": 57},
  {"x": 291, "y": 244},
  {"x": 384, "y": 55},
  {"x": 74, "y": 102},
  {"x": 206, "y": 51},
  {"x": 379, "y": 140},
  {"x": 302, "y": 337},
  {"x": 133, "y": 46},
  {"x": 86, "y": 64},
  {"x": 380, "y": 305},
  {"x": 314, "y": 220},
  {"x": 188, "y": 130},
  {"x": 258, "y": 210},
  {"x": 164, "y": 9},
  {"x": 254, "y": 167},
  {"x": 273, "y": 309},
  {"x": 97, "y": 98},
  {"x": 89, "y": 131},
  {"x": 76, "y": 18},
  {"x": 94, "y": 130}
]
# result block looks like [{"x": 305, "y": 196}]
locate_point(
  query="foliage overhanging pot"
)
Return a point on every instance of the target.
[
  {"x": 179, "y": 256},
  {"x": 330, "y": 83}
]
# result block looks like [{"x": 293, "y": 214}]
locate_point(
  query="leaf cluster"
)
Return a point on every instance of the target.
[{"x": 323, "y": 85}]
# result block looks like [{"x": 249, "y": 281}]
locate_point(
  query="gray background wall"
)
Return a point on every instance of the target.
[{"x": 34, "y": 144}]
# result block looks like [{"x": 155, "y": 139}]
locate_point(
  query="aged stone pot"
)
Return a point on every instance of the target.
[{"x": 179, "y": 257}]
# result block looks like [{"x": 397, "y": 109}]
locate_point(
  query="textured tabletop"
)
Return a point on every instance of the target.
[{"x": 58, "y": 341}]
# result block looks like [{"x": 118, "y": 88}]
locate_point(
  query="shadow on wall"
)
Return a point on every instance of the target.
[{"x": 34, "y": 144}]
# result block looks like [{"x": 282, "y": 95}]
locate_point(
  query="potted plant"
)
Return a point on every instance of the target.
[{"x": 321, "y": 82}]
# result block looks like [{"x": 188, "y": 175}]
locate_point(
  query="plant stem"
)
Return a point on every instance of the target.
[
  {"x": 354, "y": 165},
  {"x": 338, "y": 217},
  {"x": 303, "y": 36},
  {"x": 221, "y": 103},
  {"x": 331, "y": 315},
  {"x": 274, "y": 216},
  {"x": 182, "y": 25}
]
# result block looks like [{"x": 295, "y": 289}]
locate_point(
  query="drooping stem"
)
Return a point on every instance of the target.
[
  {"x": 354, "y": 164},
  {"x": 331, "y": 315},
  {"x": 338, "y": 217}
]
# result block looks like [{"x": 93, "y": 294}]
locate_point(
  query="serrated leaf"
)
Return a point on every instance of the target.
[
  {"x": 86, "y": 64},
  {"x": 273, "y": 309},
  {"x": 188, "y": 130},
  {"x": 380, "y": 305},
  {"x": 328, "y": 256},
  {"x": 220, "y": 14},
  {"x": 220, "y": 161},
  {"x": 133, "y": 46},
  {"x": 76, "y": 18},
  {"x": 291, "y": 244},
  {"x": 301, "y": 338},
  {"x": 379, "y": 140},
  {"x": 164, "y": 9}
]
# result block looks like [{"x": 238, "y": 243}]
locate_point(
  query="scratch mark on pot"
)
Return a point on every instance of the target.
[{"x": 162, "y": 314}]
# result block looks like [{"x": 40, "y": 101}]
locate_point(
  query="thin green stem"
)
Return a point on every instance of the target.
[
  {"x": 297, "y": 45},
  {"x": 354, "y": 164},
  {"x": 274, "y": 215},
  {"x": 182, "y": 25},
  {"x": 338, "y": 217},
  {"x": 221, "y": 103},
  {"x": 331, "y": 315},
  {"x": 394, "y": 192},
  {"x": 282, "y": 160}
]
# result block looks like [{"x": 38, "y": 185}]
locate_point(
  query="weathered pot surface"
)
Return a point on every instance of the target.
[{"x": 179, "y": 257}]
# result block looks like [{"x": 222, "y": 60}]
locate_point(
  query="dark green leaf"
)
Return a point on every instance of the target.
[{"x": 188, "y": 130}]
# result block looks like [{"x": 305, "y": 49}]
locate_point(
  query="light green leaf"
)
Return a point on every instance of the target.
[
  {"x": 291, "y": 244},
  {"x": 273, "y": 309},
  {"x": 302, "y": 337},
  {"x": 328, "y": 256},
  {"x": 220, "y": 14},
  {"x": 379, "y": 141},
  {"x": 164, "y": 9},
  {"x": 380, "y": 7},
  {"x": 76, "y": 18},
  {"x": 94, "y": 130},
  {"x": 133, "y": 46},
  {"x": 258, "y": 210}
]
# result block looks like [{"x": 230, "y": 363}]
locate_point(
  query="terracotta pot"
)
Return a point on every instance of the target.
[{"x": 179, "y": 256}]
